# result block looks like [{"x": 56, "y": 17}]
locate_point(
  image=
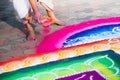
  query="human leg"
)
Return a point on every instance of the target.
[
  {"x": 22, "y": 7},
  {"x": 50, "y": 11},
  {"x": 31, "y": 33}
]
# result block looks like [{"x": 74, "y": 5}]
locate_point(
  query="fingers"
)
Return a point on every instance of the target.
[{"x": 37, "y": 17}]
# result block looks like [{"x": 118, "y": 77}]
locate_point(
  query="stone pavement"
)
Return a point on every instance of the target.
[{"x": 12, "y": 33}]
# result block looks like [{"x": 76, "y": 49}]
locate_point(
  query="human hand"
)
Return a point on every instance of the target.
[
  {"x": 37, "y": 17},
  {"x": 46, "y": 21}
]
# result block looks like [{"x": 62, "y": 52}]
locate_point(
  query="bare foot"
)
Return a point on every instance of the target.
[
  {"x": 58, "y": 22},
  {"x": 31, "y": 36}
]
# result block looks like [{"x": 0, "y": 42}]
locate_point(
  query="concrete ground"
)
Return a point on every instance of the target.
[{"x": 12, "y": 32}]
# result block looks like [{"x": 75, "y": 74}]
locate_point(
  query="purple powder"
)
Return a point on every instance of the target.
[{"x": 89, "y": 75}]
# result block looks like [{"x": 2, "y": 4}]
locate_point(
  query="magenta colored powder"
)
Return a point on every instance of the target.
[
  {"x": 46, "y": 30},
  {"x": 55, "y": 40}
]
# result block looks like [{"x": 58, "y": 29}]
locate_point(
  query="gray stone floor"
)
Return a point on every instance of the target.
[{"x": 12, "y": 32}]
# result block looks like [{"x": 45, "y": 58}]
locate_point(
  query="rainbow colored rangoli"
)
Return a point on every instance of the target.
[
  {"x": 100, "y": 65},
  {"x": 84, "y": 51}
]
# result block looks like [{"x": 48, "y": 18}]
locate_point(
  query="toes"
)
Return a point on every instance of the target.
[
  {"x": 31, "y": 37},
  {"x": 60, "y": 23}
]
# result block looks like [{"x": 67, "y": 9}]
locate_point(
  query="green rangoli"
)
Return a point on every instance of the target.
[{"x": 103, "y": 65}]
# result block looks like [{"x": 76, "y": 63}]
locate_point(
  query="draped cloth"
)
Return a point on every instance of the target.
[
  {"x": 49, "y": 3},
  {"x": 22, "y": 7}
]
